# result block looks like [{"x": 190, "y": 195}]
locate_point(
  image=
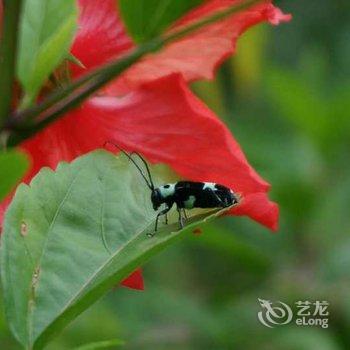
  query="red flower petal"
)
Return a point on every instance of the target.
[
  {"x": 198, "y": 55},
  {"x": 134, "y": 281},
  {"x": 167, "y": 123},
  {"x": 259, "y": 209},
  {"x": 101, "y": 35}
]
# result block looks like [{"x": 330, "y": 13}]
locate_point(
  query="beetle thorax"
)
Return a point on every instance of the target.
[{"x": 167, "y": 190}]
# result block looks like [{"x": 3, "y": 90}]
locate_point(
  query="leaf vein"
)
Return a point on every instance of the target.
[{"x": 59, "y": 208}]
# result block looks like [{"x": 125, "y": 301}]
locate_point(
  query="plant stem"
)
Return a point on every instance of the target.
[
  {"x": 67, "y": 98},
  {"x": 183, "y": 31},
  {"x": 8, "y": 50}
]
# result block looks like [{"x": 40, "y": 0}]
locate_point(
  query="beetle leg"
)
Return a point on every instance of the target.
[
  {"x": 185, "y": 214},
  {"x": 163, "y": 212},
  {"x": 180, "y": 218}
]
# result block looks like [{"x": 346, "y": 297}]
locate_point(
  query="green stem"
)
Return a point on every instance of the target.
[
  {"x": 8, "y": 49},
  {"x": 183, "y": 31},
  {"x": 63, "y": 100}
]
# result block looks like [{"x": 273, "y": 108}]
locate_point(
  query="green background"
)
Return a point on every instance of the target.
[{"x": 286, "y": 98}]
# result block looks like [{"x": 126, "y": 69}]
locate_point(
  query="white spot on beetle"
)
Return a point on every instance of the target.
[
  {"x": 210, "y": 185},
  {"x": 167, "y": 190},
  {"x": 188, "y": 204}
]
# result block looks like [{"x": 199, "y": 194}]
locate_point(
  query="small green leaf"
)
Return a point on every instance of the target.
[
  {"x": 71, "y": 58},
  {"x": 72, "y": 235},
  {"x": 13, "y": 166},
  {"x": 47, "y": 30},
  {"x": 146, "y": 19}
]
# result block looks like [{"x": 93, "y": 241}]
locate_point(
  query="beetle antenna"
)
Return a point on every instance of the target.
[
  {"x": 149, "y": 182},
  {"x": 147, "y": 168}
]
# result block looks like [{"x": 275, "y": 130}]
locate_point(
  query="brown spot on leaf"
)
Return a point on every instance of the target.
[
  {"x": 24, "y": 229},
  {"x": 197, "y": 231}
]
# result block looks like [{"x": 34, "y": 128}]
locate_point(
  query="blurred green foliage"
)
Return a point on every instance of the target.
[
  {"x": 286, "y": 97},
  {"x": 146, "y": 19}
]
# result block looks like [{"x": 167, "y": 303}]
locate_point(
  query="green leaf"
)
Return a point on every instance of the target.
[
  {"x": 146, "y": 19},
  {"x": 47, "y": 30},
  {"x": 72, "y": 235},
  {"x": 13, "y": 166}
]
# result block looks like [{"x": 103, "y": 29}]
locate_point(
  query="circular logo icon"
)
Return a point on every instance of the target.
[{"x": 274, "y": 314}]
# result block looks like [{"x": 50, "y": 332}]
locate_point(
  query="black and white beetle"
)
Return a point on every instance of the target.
[{"x": 185, "y": 194}]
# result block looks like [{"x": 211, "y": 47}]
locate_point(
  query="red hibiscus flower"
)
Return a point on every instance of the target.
[{"x": 150, "y": 108}]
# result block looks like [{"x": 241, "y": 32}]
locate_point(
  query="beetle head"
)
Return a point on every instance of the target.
[{"x": 156, "y": 199}]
